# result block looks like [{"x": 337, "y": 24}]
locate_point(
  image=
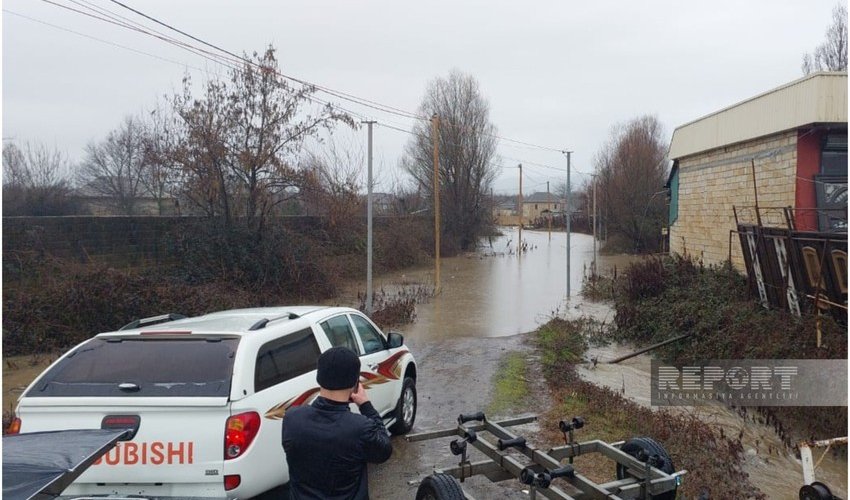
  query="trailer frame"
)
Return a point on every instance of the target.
[{"x": 540, "y": 468}]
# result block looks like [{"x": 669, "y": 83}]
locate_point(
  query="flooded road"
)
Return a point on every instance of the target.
[
  {"x": 495, "y": 292},
  {"x": 489, "y": 300},
  {"x": 488, "y": 303}
]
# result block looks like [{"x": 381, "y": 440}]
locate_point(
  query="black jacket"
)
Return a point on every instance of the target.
[{"x": 327, "y": 448}]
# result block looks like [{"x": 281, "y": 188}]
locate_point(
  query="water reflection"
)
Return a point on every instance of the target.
[{"x": 496, "y": 292}]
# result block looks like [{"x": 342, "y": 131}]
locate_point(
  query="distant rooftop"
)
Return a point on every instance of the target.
[{"x": 541, "y": 198}]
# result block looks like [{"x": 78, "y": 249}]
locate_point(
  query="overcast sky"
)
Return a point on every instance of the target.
[{"x": 557, "y": 74}]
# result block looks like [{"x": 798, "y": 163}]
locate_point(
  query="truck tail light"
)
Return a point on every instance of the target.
[
  {"x": 232, "y": 481},
  {"x": 129, "y": 422},
  {"x": 239, "y": 433},
  {"x": 14, "y": 426}
]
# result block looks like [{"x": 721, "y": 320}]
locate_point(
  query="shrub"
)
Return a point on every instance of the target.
[
  {"x": 714, "y": 466},
  {"x": 666, "y": 297},
  {"x": 274, "y": 260}
]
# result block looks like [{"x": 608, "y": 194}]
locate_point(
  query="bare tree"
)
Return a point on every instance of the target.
[
  {"x": 831, "y": 55},
  {"x": 630, "y": 170},
  {"x": 333, "y": 183},
  {"x": 114, "y": 168},
  {"x": 35, "y": 181},
  {"x": 237, "y": 145},
  {"x": 160, "y": 177},
  {"x": 467, "y": 148}
]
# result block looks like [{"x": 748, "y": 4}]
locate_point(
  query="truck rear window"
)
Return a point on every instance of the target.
[{"x": 143, "y": 367}]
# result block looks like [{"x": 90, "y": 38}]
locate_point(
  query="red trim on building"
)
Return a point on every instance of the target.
[{"x": 808, "y": 165}]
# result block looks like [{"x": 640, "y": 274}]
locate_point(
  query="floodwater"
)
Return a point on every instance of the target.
[
  {"x": 773, "y": 469},
  {"x": 495, "y": 292}
]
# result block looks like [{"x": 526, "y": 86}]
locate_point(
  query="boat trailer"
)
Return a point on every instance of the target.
[
  {"x": 815, "y": 490},
  {"x": 643, "y": 468}
]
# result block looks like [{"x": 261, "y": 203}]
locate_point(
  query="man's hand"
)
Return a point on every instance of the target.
[{"x": 359, "y": 396}]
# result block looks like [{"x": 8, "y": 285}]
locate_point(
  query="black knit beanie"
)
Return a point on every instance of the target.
[{"x": 338, "y": 368}]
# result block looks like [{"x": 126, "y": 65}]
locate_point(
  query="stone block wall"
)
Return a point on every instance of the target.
[{"x": 712, "y": 182}]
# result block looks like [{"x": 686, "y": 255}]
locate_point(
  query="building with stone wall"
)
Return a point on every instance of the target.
[
  {"x": 540, "y": 204},
  {"x": 792, "y": 140}
]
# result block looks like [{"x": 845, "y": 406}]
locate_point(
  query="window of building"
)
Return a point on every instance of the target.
[
  {"x": 834, "y": 155},
  {"x": 831, "y": 184},
  {"x": 674, "y": 196}
]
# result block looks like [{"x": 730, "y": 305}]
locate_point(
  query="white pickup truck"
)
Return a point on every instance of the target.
[{"x": 205, "y": 396}]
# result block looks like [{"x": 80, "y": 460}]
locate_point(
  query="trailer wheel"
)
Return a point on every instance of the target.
[
  {"x": 815, "y": 491},
  {"x": 439, "y": 487},
  {"x": 642, "y": 448}
]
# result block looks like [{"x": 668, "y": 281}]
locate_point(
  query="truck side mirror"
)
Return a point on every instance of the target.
[{"x": 395, "y": 340}]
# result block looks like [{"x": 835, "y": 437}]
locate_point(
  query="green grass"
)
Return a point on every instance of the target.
[{"x": 510, "y": 387}]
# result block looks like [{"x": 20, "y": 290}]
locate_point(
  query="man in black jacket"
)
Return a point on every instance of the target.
[{"x": 327, "y": 446}]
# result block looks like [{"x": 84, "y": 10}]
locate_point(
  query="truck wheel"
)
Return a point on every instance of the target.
[
  {"x": 405, "y": 409},
  {"x": 815, "y": 491},
  {"x": 439, "y": 487},
  {"x": 642, "y": 448}
]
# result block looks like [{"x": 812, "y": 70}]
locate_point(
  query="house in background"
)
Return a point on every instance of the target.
[
  {"x": 504, "y": 214},
  {"x": 537, "y": 208},
  {"x": 795, "y": 140},
  {"x": 539, "y": 205},
  {"x": 95, "y": 198}
]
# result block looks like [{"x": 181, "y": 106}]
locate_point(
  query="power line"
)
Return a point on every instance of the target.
[
  {"x": 341, "y": 95},
  {"x": 99, "y": 39},
  {"x": 336, "y": 93},
  {"x": 215, "y": 58},
  {"x": 187, "y": 47},
  {"x": 410, "y": 132},
  {"x": 124, "y": 22}
]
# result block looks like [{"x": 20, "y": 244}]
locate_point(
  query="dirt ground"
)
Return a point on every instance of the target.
[{"x": 455, "y": 376}]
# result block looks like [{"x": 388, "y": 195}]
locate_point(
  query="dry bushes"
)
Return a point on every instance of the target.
[
  {"x": 662, "y": 298},
  {"x": 713, "y": 461},
  {"x": 396, "y": 308},
  {"x": 52, "y": 304}
]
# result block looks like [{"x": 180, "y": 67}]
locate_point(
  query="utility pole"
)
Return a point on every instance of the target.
[
  {"x": 594, "y": 225},
  {"x": 568, "y": 213},
  {"x": 519, "y": 242},
  {"x": 369, "y": 225},
  {"x": 435, "y": 132},
  {"x": 549, "y": 208}
]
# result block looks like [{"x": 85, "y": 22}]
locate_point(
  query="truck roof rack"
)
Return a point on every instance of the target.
[
  {"x": 259, "y": 325},
  {"x": 162, "y": 318}
]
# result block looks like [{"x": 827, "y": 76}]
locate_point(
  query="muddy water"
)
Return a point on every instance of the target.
[
  {"x": 495, "y": 292},
  {"x": 771, "y": 468}
]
